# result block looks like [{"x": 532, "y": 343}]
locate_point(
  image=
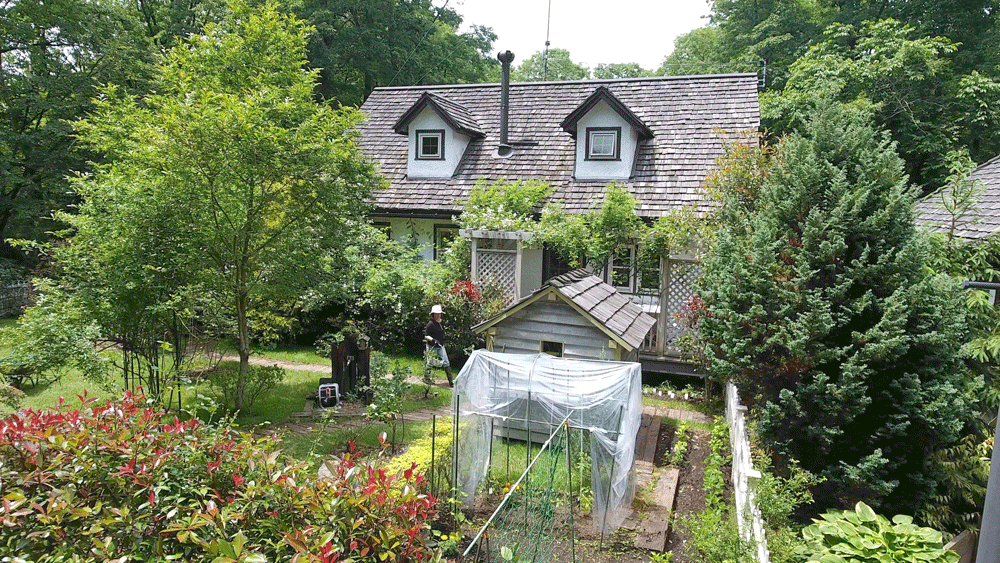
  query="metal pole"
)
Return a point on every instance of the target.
[
  {"x": 454, "y": 452},
  {"x": 433, "y": 448},
  {"x": 569, "y": 489},
  {"x": 611, "y": 481},
  {"x": 988, "y": 550}
]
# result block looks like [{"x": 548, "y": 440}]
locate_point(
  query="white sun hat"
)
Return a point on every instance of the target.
[{"x": 437, "y": 309}]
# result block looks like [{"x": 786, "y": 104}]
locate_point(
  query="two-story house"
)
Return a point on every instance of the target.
[{"x": 657, "y": 137}]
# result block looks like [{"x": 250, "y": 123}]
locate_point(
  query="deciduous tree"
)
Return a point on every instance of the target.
[
  {"x": 231, "y": 177},
  {"x": 556, "y": 65},
  {"x": 360, "y": 45},
  {"x": 53, "y": 56}
]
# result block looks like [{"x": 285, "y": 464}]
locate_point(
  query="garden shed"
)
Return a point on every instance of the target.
[
  {"x": 574, "y": 315},
  {"x": 495, "y": 392}
]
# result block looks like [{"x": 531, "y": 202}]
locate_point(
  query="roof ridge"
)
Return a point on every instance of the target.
[{"x": 664, "y": 78}]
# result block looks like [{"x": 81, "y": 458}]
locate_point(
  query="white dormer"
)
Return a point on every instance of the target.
[
  {"x": 607, "y": 137},
  {"x": 438, "y": 132}
]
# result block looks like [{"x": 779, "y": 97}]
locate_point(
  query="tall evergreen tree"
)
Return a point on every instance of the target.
[{"x": 821, "y": 309}]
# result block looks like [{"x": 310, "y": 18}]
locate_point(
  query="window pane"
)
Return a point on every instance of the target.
[
  {"x": 429, "y": 145},
  {"x": 603, "y": 144}
]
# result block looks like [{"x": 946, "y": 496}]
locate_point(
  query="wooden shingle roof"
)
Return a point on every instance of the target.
[
  {"x": 455, "y": 115},
  {"x": 690, "y": 118},
  {"x": 976, "y": 224},
  {"x": 601, "y": 303}
]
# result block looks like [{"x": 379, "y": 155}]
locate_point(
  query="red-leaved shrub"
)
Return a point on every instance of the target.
[{"x": 119, "y": 482}]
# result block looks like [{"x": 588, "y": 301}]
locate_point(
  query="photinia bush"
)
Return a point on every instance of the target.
[{"x": 119, "y": 482}]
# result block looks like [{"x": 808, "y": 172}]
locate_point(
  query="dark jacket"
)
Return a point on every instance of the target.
[{"x": 436, "y": 331}]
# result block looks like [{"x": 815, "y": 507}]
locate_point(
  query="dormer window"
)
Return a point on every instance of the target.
[
  {"x": 604, "y": 143},
  {"x": 430, "y": 144}
]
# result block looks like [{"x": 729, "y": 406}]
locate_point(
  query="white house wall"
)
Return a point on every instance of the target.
[
  {"x": 601, "y": 115},
  {"x": 454, "y": 147},
  {"x": 421, "y": 231}
]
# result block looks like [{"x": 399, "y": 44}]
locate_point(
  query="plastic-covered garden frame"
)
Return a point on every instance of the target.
[{"x": 531, "y": 394}]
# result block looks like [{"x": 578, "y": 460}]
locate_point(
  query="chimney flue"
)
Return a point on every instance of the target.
[{"x": 505, "y": 59}]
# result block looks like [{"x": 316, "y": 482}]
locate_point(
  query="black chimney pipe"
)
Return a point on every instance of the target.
[{"x": 505, "y": 59}]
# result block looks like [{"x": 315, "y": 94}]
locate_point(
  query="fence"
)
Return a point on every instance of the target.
[
  {"x": 14, "y": 298},
  {"x": 748, "y": 516}
]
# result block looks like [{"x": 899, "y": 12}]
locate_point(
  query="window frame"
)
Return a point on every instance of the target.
[
  {"x": 420, "y": 135},
  {"x": 588, "y": 151},
  {"x": 441, "y": 229},
  {"x": 561, "y": 345}
]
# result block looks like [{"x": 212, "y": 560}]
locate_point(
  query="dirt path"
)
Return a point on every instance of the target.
[{"x": 301, "y": 366}]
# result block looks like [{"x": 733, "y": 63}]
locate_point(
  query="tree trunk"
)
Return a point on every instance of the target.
[{"x": 243, "y": 348}]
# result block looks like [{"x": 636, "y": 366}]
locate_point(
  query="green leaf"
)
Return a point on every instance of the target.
[{"x": 864, "y": 512}]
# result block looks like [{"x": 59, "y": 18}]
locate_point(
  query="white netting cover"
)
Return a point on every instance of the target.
[{"x": 505, "y": 391}]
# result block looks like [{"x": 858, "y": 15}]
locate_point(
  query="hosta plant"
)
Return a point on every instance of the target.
[
  {"x": 861, "y": 536},
  {"x": 121, "y": 482}
]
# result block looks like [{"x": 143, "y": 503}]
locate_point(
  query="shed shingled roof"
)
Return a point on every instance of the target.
[
  {"x": 974, "y": 225},
  {"x": 690, "y": 117},
  {"x": 600, "y": 301}
]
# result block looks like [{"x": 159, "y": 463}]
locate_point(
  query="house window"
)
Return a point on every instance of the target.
[
  {"x": 553, "y": 265},
  {"x": 444, "y": 235},
  {"x": 552, "y": 348},
  {"x": 604, "y": 143},
  {"x": 430, "y": 144},
  {"x": 622, "y": 271}
]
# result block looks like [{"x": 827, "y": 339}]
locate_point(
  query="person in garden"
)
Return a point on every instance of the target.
[{"x": 434, "y": 342}]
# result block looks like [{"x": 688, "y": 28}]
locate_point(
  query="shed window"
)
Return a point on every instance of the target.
[
  {"x": 604, "y": 143},
  {"x": 430, "y": 144},
  {"x": 552, "y": 348}
]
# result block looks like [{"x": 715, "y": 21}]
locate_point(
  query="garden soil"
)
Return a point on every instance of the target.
[{"x": 619, "y": 547}]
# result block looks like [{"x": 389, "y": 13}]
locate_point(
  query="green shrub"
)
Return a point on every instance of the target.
[
  {"x": 861, "y": 536},
  {"x": 258, "y": 380},
  {"x": 394, "y": 304},
  {"x": 465, "y": 305},
  {"x": 96, "y": 483}
]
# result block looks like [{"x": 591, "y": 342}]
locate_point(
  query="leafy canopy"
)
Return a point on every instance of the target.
[{"x": 249, "y": 183}]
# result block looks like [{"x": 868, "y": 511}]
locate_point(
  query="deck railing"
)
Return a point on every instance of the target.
[{"x": 667, "y": 304}]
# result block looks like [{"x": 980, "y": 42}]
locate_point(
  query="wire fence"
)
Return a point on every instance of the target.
[{"x": 536, "y": 511}]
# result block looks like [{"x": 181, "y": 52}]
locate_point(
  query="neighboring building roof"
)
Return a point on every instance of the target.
[
  {"x": 690, "y": 118},
  {"x": 976, "y": 224},
  {"x": 602, "y": 304},
  {"x": 455, "y": 115},
  {"x": 602, "y": 94}
]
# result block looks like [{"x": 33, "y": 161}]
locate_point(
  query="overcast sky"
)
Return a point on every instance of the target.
[{"x": 619, "y": 31}]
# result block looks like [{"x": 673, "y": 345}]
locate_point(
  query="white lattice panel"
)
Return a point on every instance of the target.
[
  {"x": 498, "y": 268},
  {"x": 681, "y": 277}
]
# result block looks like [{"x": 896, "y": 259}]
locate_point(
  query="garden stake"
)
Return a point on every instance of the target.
[
  {"x": 454, "y": 452},
  {"x": 569, "y": 491},
  {"x": 433, "y": 448},
  {"x": 611, "y": 480}
]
